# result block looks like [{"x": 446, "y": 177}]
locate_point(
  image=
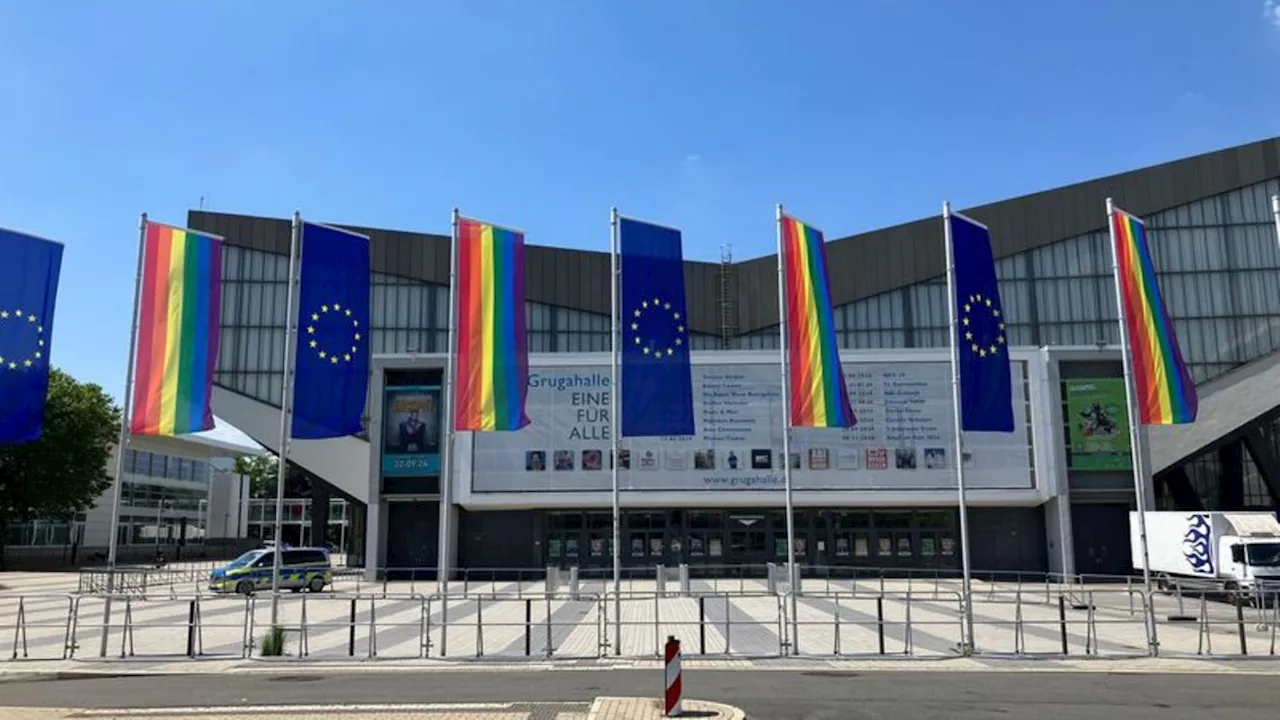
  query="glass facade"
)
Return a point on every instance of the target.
[
  {"x": 1216, "y": 259},
  {"x": 296, "y": 522},
  {"x": 163, "y": 499},
  {"x": 1217, "y": 263},
  {"x": 406, "y": 315},
  {"x": 155, "y": 465}
]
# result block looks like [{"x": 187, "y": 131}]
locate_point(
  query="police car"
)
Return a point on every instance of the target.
[{"x": 300, "y": 569}]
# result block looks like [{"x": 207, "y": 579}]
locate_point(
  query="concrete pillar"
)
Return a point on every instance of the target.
[
  {"x": 320, "y": 494},
  {"x": 1231, "y": 489}
]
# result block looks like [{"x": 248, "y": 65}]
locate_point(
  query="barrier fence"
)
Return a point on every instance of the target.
[{"x": 847, "y": 621}]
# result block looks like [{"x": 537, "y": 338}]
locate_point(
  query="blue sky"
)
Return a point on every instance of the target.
[{"x": 541, "y": 114}]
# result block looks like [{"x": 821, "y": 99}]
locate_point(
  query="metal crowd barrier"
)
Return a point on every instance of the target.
[{"x": 831, "y": 616}]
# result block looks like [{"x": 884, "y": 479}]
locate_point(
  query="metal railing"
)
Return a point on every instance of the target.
[{"x": 488, "y": 613}]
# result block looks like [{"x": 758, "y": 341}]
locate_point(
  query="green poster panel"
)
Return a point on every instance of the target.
[{"x": 1098, "y": 424}]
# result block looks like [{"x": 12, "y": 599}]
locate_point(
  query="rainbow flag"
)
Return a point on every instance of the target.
[
  {"x": 179, "y": 314},
  {"x": 819, "y": 397},
  {"x": 1165, "y": 393},
  {"x": 493, "y": 353}
]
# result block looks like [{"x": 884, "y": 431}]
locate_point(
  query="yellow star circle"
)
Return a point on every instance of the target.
[
  {"x": 981, "y": 313},
  {"x": 22, "y": 361},
  {"x": 339, "y": 347},
  {"x": 657, "y": 347}
]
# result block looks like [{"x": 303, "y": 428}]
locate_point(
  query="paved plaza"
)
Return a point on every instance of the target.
[{"x": 42, "y": 617}]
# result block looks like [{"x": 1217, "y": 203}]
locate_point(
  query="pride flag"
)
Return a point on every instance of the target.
[
  {"x": 819, "y": 397},
  {"x": 493, "y": 353},
  {"x": 1165, "y": 393},
  {"x": 179, "y": 314}
]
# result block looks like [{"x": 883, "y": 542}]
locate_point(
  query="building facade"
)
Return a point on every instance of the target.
[
  {"x": 1212, "y": 234},
  {"x": 177, "y": 495}
]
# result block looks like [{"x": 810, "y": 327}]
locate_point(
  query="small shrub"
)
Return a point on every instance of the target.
[{"x": 273, "y": 643}]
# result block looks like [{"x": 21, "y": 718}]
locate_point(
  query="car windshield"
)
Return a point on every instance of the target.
[
  {"x": 1263, "y": 554},
  {"x": 245, "y": 559}
]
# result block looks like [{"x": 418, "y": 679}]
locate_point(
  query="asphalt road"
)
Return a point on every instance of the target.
[{"x": 765, "y": 695}]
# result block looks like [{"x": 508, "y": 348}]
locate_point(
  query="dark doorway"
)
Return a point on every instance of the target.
[
  {"x": 413, "y": 540},
  {"x": 1101, "y": 537}
]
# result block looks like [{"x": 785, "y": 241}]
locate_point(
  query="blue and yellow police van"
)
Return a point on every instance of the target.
[{"x": 300, "y": 569}]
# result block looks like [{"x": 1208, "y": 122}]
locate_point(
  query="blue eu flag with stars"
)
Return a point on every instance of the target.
[
  {"x": 986, "y": 392},
  {"x": 657, "y": 384},
  {"x": 29, "y": 268},
  {"x": 332, "y": 365}
]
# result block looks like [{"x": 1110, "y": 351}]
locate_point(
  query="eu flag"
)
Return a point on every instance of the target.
[
  {"x": 657, "y": 385},
  {"x": 986, "y": 394},
  {"x": 332, "y": 365},
  {"x": 29, "y": 268}
]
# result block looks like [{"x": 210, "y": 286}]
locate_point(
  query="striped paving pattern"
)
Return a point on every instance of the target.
[{"x": 40, "y": 617}]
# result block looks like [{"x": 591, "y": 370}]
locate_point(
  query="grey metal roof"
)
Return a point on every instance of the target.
[{"x": 863, "y": 265}]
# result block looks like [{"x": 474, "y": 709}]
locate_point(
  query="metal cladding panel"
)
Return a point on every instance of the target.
[
  {"x": 702, "y": 284},
  {"x": 861, "y": 265}
]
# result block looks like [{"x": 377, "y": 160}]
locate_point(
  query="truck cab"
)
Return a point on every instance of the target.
[{"x": 1250, "y": 560}]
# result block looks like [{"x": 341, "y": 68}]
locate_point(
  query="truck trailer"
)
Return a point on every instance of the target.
[{"x": 1238, "y": 550}]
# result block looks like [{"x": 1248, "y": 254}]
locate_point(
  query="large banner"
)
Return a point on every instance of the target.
[
  {"x": 411, "y": 431},
  {"x": 1097, "y": 424},
  {"x": 903, "y": 440}
]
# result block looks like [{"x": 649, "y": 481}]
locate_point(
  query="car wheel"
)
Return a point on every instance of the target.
[
  {"x": 316, "y": 585},
  {"x": 244, "y": 587}
]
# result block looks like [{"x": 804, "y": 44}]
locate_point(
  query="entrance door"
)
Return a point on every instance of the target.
[
  {"x": 413, "y": 539},
  {"x": 897, "y": 543},
  {"x": 706, "y": 538},
  {"x": 749, "y": 540},
  {"x": 1101, "y": 537},
  {"x": 599, "y": 547}
]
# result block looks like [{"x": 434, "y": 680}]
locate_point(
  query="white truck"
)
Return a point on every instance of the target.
[{"x": 1237, "y": 550}]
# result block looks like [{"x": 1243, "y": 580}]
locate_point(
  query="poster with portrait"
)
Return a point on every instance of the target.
[{"x": 411, "y": 432}]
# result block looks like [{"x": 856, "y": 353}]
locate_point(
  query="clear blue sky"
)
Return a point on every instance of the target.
[{"x": 541, "y": 114}]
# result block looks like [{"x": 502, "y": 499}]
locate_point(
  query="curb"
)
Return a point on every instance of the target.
[{"x": 632, "y": 708}]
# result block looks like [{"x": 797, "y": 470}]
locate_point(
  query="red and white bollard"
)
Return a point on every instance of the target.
[{"x": 674, "y": 690}]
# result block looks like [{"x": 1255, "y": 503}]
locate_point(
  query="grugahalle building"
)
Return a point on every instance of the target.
[{"x": 1054, "y": 495}]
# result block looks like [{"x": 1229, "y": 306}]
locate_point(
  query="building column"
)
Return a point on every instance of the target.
[
  {"x": 1231, "y": 487},
  {"x": 320, "y": 494}
]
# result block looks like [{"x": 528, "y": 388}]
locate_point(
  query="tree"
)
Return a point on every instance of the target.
[
  {"x": 262, "y": 470},
  {"x": 65, "y": 471}
]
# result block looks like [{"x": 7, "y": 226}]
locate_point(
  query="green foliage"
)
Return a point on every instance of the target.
[
  {"x": 262, "y": 471},
  {"x": 272, "y": 643},
  {"x": 65, "y": 471}
]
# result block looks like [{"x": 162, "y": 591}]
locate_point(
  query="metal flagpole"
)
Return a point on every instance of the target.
[
  {"x": 966, "y": 589},
  {"x": 1135, "y": 436},
  {"x": 615, "y": 425},
  {"x": 286, "y": 410},
  {"x": 792, "y": 578},
  {"x": 1275, "y": 210},
  {"x": 123, "y": 440},
  {"x": 450, "y": 388}
]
